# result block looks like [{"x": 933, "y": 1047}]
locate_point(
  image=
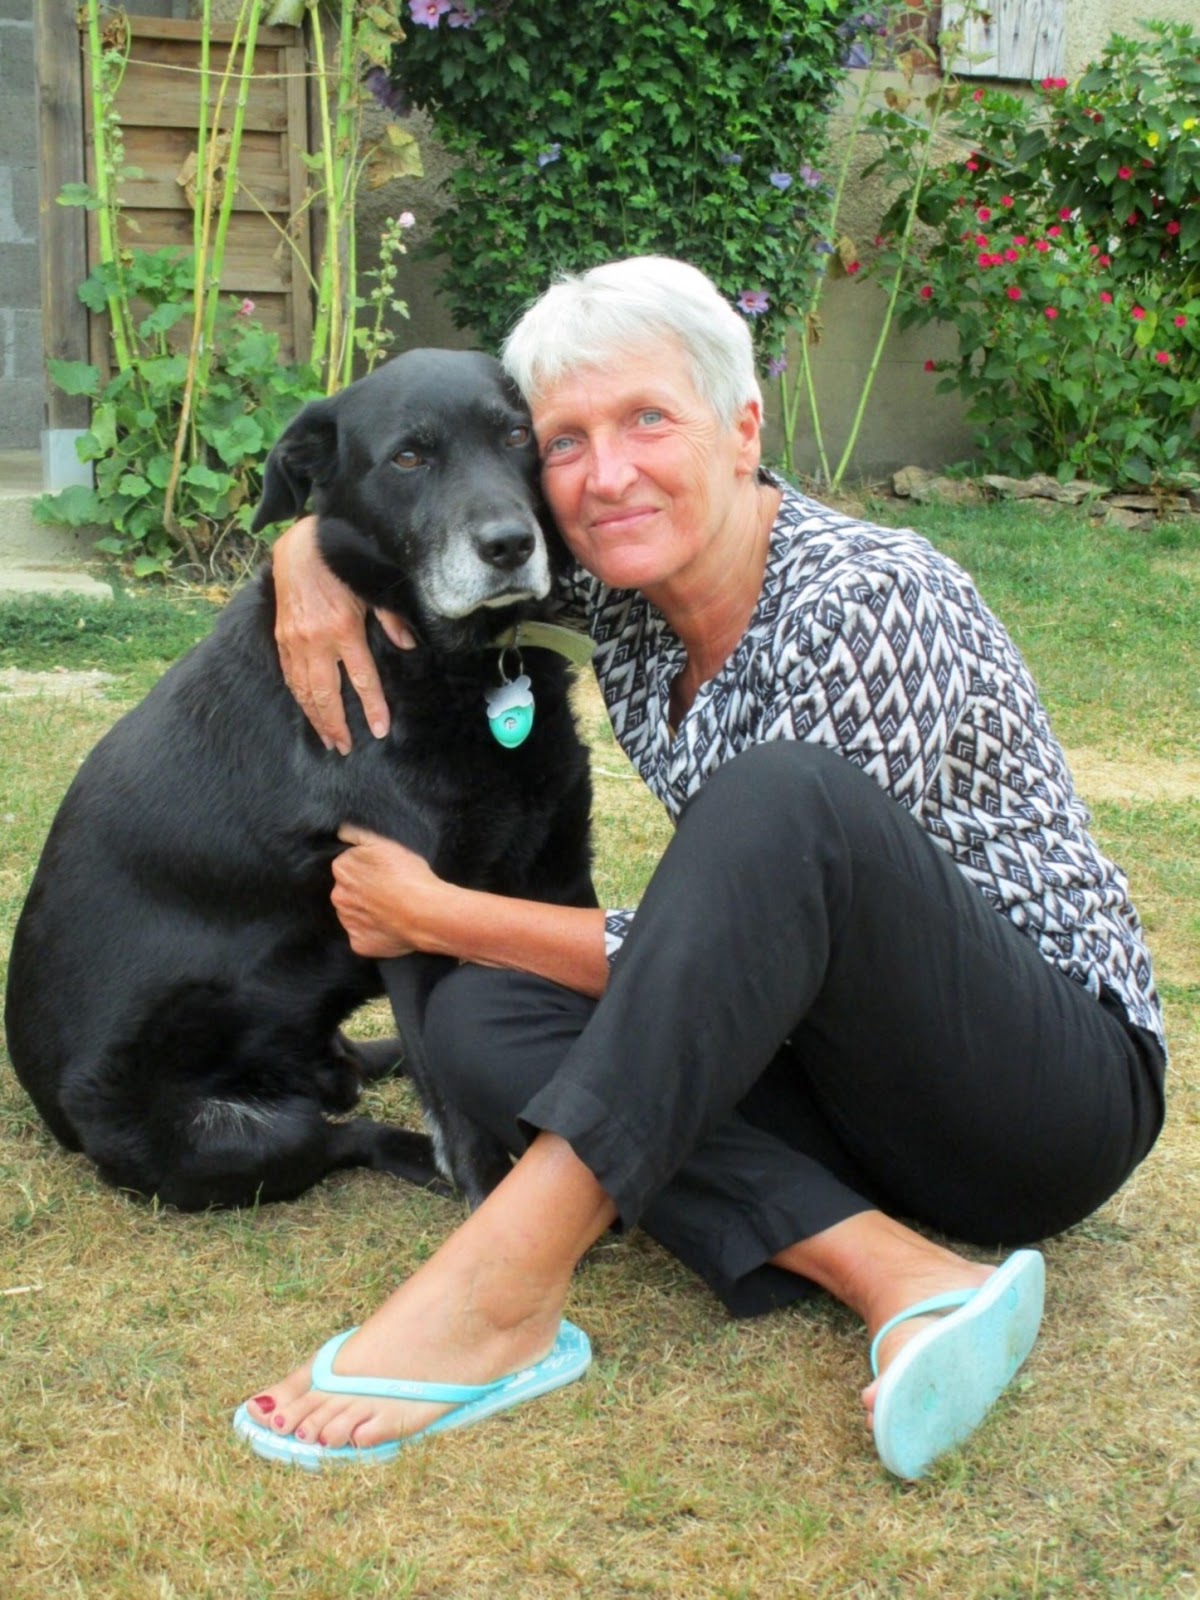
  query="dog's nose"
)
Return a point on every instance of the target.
[{"x": 506, "y": 545}]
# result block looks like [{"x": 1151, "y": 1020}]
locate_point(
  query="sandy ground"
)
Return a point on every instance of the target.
[{"x": 1097, "y": 777}]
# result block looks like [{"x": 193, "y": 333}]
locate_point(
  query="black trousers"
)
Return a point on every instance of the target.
[{"x": 814, "y": 1014}]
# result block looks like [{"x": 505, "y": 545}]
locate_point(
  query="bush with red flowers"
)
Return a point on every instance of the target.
[{"x": 1066, "y": 252}]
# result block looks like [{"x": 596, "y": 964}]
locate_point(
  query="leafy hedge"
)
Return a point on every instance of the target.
[{"x": 694, "y": 129}]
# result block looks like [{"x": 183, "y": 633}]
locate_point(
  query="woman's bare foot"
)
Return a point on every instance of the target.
[
  {"x": 487, "y": 1304},
  {"x": 878, "y": 1267}
]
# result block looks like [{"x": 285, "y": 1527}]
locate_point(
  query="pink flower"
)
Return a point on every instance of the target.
[
  {"x": 1138, "y": 314},
  {"x": 931, "y": 366},
  {"x": 428, "y": 13},
  {"x": 983, "y": 259},
  {"x": 1054, "y": 83},
  {"x": 1012, "y": 255},
  {"x": 1020, "y": 238},
  {"x": 983, "y": 213},
  {"x": 972, "y": 166},
  {"x": 246, "y": 309},
  {"x": 1051, "y": 313},
  {"x": 1055, "y": 232},
  {"x": 1041, "y": 244},
  {"x": 1105, "y": 297},
  {"x": 1105, "y": 261},
  {"x": 406, "y": 220},
  {"x": 1007, "y": 200},
  {"x": 981, "y": 240},
  {"x": 1065, "y": 213},
  {"x": 1013, "y": 292},
  {"x": 927, "y": 292},
  {"x": 1125, "y": 172},
  {"x": 1181, "y": 322},
  {"x": 1131, "y": 220},
  {"x": 1173, "y": 227},
  {"x": 977, "y": 96},
  {"x": 855, "y": 266},
  {"x": 753, "y": 302},
  {"x": 1162, "y": 358}
]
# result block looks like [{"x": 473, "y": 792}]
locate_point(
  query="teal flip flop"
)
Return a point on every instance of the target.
[
  {"x": 568, "y": 1360},
  {"x": 949, "y": 1375}
]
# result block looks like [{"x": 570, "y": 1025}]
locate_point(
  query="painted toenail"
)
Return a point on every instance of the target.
[
  {"x": 278, "y": 1419},
  {"x": 300, "y": 1434},
  {"x": 264, "y": 1402}
]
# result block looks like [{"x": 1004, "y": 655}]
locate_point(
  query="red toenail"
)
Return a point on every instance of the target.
[
  {"x": 264, "y": 1402},
  {"x": 300, "y": 1433},
  {"x": 278, "y": 1419}
]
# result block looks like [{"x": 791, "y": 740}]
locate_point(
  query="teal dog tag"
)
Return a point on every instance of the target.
[{"x": 510, "y": 711}]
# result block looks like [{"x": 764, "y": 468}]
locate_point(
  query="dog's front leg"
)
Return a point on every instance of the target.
[{"x": 465, "y": 1154}]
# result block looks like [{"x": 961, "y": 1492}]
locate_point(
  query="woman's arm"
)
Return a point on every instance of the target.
[
  {"x": 391, "y": 903},
  {"x": 319, "y": 625}
]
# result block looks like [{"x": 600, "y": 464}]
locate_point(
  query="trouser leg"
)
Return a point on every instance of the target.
[{"x": 816, "y": 1012}]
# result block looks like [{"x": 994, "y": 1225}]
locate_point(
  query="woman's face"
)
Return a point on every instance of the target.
[{"x": 640, "y": 475}]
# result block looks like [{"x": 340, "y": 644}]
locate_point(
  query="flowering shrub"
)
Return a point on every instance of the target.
[
  {"x": 1066, "y": 253},
  {"x": 693, "y": 129}
]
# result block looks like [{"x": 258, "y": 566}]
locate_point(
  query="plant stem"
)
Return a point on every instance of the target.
[
  {"x": 103, "y": 94},
  {"x": 910, "y": 218}
]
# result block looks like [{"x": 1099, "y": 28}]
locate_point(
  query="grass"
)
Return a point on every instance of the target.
[{"x": 700, "y": 1457}]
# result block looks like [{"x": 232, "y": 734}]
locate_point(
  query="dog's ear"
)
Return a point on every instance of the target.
[{"x": 304, "y": 454}]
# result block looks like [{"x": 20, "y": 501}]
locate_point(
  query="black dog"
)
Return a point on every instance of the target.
[{"x": 178, "y": 977}]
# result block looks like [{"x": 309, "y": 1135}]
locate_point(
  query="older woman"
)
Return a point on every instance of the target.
[{"x": 881, "y": 971}]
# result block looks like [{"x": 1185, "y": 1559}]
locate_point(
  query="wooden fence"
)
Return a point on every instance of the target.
[{"x": 268, "y": 254}]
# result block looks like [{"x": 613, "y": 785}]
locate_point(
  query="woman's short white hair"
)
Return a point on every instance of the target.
[{"x": 589, "y": 319}]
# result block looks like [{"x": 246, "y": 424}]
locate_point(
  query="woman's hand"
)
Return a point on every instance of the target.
[
  {"x": 379, "y": 887},
  {"x": 319, "y": 623}
]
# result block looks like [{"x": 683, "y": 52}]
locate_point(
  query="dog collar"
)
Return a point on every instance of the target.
[
  {"x": 577, "y": 647},
  {"x": 510, "y": 702}
]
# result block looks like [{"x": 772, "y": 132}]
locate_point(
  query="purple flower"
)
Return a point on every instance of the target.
[
  {"x": 781, "y": 180},
  {"x": 810, "y": 177},
  {"x": 387, "y": 95},
  {"x": 731, "y": 159},
  {"x": 753, "y": 302},
  {"x": 428, "y": 13},
  {"x": 824, "y": 248},
  {"x": 549, "y": 154},
  {"x": 777, "y": 366}
]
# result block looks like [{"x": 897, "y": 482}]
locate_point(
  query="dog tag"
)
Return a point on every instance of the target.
[{"x": 510, "y": 711}]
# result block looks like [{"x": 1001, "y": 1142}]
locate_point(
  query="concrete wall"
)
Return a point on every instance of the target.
[{"x": 21, "y": 370}]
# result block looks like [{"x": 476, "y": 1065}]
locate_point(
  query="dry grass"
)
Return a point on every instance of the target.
[{"x": 699, "y": 1458}]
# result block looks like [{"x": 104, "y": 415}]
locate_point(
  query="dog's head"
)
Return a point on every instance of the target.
[{"x": 424, "y": 476}]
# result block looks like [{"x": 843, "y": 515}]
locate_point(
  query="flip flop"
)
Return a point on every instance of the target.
[
  {"x": 948, "y": 1376},
  {"x": 568, "y": 1360}
]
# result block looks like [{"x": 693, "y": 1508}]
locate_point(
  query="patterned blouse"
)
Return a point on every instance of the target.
[{"x": 869, "y": 641}]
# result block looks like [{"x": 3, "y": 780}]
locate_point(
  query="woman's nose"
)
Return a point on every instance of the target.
[{"x": 610, "y": 471}]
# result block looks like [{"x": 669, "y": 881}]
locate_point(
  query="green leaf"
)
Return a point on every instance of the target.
[
  {"x": 75, "y": 377},
  {"x": 76, "y": 506}
]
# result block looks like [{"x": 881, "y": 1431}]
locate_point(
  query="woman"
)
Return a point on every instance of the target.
[{"x": 882, "y": 970}]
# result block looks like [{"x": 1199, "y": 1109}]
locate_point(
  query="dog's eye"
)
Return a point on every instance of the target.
[
  {"x": 406, "y": 460},
  {"x": 518, "y": 436}
]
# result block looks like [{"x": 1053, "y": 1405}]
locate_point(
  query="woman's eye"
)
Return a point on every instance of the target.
[
  {"x": 651, "y": 416},
  {"x": 518, "y": 436},
  {"x": 406, "y": 460}
]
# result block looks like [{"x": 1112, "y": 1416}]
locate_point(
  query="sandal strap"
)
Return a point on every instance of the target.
[
  {"x": 328, "y": 1381},
  {"x": 950, "y": 1301}
]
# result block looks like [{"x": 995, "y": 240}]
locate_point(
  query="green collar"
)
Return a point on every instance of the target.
[{"x": 577, "y": 647}]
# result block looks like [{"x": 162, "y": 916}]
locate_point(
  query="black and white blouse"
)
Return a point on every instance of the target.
[{"x": 871, "y": 642}]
